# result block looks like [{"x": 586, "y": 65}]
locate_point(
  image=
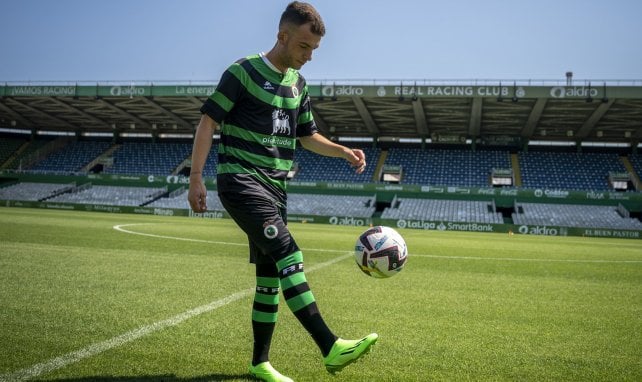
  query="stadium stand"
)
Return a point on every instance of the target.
[
  {"x": 111, "y": 195},
  {"x": 313, "y": 167},
  {"x": 29, "y": 191},
  {"x": 8, "y": 147},
  {"x": 636, "y": 162},
  {"x": 571, "y": 215},
  {"x": 569, "y": 171},
  {"x": 72, "y": 157},
  {"x": 212, "y": 161},
  {"x": 331, "y": 205},
  {"x": 147, "y": 158},
  {"x": 443, "y": 210},
  {"x": 25, "y": 156},
  {"x": 447, "y": 167}
]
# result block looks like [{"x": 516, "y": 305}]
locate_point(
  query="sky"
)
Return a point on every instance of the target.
[{"x": 195, "y": 40}]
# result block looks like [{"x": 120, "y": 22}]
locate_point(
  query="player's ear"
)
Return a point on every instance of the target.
[{"x": 282, "y": 36}]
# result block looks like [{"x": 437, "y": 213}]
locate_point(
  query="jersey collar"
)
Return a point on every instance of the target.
[{"x": 271, "y": 65}]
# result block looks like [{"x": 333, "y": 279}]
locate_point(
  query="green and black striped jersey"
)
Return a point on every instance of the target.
[{"x": 261, "y": 113}]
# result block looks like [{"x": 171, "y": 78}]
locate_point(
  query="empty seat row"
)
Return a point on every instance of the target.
[
  {"x": 331, "y": 205},
  {"x": 447, "y": 167},
  {"x": 314, "y": 167},
  {"x": 146, "y": 158},
  {"x": 72, "y": 157},
  {"x": 31, "y": 191},
  {"x": 443, "y": 210},
  {"x": 572, "y": 215},
  {"x": 111, "y": 195},
  {"x": 8, "y": 146},
  {"x": 569, "y": 171}
]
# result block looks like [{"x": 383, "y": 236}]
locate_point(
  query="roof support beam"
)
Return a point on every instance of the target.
[
  {"x": 590, "y": 123},
  {"x": 475, "y": 117},
  {"x": 124, "y": 113},
  {"x": 320, "y": 122},
  {"x": 533, "y": 118},
  {"x": 173, "y": 116},
  {"x": 365, "y": 116},
  {"x": 17, "y": 117},
  {"x": 78, "y": 111},
  {"x": 46, "y": 115},
  {"x": 420, "y": 118},
  {"x": 196, "y": 102}
]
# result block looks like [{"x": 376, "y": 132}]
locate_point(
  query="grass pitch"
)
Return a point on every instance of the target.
[{"x": 168, "y": 298}]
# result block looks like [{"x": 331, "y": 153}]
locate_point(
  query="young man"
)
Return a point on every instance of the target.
[{"x": 262, "y": 106}]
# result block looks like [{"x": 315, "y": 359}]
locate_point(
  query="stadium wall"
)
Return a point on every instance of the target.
[
  {"x": 384, "y": 192},
  {"x": 538, "y": 230}
]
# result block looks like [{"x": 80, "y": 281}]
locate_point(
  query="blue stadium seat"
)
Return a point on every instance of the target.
[
  {"x": 447, "y": 167},
  {"x": 72, "y": 157},
  {"x": 636, "y": 162},
  {"x": 313, "y": 167},
  {"x": 146, "y": 158},
  {"x": 8, "y": 146},
  {"x": 570, "y": 171}
]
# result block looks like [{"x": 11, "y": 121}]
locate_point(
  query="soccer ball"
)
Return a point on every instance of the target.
[{"x": 380, "y": 252}]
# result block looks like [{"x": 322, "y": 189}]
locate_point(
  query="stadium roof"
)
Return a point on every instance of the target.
[{"x": 491, "y": 112}]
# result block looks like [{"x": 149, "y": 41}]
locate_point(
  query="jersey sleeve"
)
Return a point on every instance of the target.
[
  {"x": 228, "y": 92},
  {"x": 305, "y": 122}
]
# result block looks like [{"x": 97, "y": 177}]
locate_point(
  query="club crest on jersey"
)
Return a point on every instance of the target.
[
  {"x": 280, "y": 122},
  {"x": 295, "y": 91}
]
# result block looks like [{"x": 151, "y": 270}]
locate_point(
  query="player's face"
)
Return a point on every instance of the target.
[{"x": 299, "y": 43}]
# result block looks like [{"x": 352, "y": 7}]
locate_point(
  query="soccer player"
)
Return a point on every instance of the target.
[{"x": 262, "y": 107}]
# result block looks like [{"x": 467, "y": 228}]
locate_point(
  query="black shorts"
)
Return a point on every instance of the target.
[{"x": 264, "y": 220}]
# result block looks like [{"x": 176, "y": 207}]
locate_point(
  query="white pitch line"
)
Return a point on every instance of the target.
[
  {"x": 101, "y": 347},
  {"x": 121, "y": 229}
]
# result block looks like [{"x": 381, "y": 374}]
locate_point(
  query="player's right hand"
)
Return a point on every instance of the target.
[{"x": 197, "y": 194}]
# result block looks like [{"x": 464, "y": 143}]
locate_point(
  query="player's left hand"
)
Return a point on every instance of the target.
[{"x": 357, "y": 160}]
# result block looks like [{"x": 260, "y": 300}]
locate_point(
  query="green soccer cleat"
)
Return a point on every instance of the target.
[
  {"x": 265, "y": 372},
  {"x": 344, "y": 352}
]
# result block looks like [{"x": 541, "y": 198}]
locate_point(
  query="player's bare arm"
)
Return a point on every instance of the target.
[
  {"x": 319, "y": 144},
  {"x": 197, "y": 194}
]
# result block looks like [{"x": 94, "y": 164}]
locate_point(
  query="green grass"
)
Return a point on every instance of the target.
[{"x": 467, "y": 307}]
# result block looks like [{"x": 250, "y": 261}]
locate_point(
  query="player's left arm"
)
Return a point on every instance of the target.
[{"x": 319, "y": 144}]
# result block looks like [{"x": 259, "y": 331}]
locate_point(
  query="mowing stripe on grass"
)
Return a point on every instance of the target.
[
  {"x": 527, "y": 259},
  {"x": 101, "y": 347}
]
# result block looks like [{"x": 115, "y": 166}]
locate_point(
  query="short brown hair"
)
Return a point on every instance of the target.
[{"x": 299, "y": 13}]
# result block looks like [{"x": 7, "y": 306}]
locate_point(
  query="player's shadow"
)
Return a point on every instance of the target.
[{"x": 156, "y": 378}]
